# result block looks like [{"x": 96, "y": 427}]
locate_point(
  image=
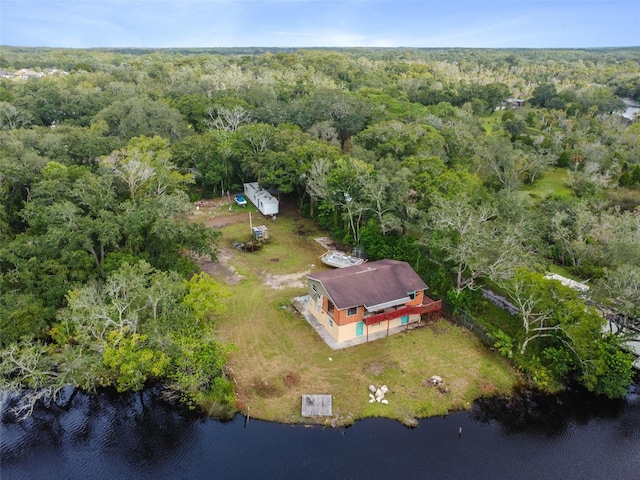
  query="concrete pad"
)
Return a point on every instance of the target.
[{"x": 316, "y": 406}]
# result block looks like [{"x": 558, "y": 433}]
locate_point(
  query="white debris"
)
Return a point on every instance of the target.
[
  {"x": 377, "y": 394},
  {"x": 436, "y": 379},
  {"x": 330, "y": 359}
]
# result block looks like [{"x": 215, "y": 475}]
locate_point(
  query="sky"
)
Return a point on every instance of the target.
[{"x": 311, "y": 23}]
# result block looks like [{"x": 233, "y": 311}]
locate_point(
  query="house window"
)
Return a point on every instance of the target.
[
  {"x": 352, "y": 311},
  {"x": 330, "y": 307},
  {"x": 412, "y": 295},
  {"x": 331, "y": 322},
  {"x": 313, "y": 287}
]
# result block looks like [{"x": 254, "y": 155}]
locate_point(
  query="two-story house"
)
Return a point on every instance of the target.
[{"x": 368, "y": 299}]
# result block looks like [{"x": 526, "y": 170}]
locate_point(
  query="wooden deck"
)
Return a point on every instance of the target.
[
  {"x": 316, "y": 406},
  {"x": 428, "y": 306}
]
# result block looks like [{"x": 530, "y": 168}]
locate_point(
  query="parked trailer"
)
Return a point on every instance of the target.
[{"x": 263, "y": 200}]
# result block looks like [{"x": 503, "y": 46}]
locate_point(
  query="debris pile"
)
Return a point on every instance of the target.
[
  {"x": 206, "y": 203},
  {"x": 377, "y": 394},
  {"x": 436, "y": 381},
  {"x": 248, "y": 247}
]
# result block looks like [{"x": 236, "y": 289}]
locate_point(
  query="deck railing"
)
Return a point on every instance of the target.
[{"x": 427, "y": 306}]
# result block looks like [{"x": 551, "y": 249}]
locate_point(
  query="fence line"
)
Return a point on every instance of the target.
[
  {"x": 468, "y": 321},
  {"x": 499, "y": 301}
]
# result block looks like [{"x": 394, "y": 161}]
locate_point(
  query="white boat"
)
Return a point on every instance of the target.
[
  {"x": 340, "y": 260},
  {"x": 240, "y": 200}
]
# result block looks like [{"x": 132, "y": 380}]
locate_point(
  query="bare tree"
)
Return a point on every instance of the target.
[
  {"x": 477, "y": 241},
  {"x": 131, "y": 169},
  {"x": 11, "y": 117},
  {"x": 227, "y": 119},
  {"x": 535, "y": 317},
  {"x": 622, "y": 286}
]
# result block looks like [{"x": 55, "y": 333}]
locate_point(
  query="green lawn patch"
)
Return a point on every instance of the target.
[
  {"x": 491, "y": 122},
  {"x": 552, "y": 182}
]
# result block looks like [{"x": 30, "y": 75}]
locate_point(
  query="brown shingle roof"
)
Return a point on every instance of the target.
[{"x": 370, "y": 284}]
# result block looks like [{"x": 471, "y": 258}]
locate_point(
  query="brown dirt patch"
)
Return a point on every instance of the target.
[
  {"x": 378, "y": 368},
  {"x": 487, "y": 388},
  {"x": 291, "y": 379},
  {"x": 280, "y": 282},
  {"x": 375, "y": 369},
  {"x": 214, "y": 213},
  {"x": 329, "y": 244},
  {"x": 265, "y": 388},
  {"x": 221, "y": 268}
]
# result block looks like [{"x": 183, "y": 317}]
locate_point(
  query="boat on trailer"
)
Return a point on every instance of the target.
[{"x": 340, "y": 260}]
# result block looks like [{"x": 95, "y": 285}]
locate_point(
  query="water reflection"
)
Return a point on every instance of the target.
[
  {"x": 533, "y": 412},
  {"x": 531, "y": 436},
  {"x": 633, "y": 108},
  {"x": 129, "y": 432}
]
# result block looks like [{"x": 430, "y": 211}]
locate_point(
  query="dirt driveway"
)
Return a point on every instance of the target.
[{"x": 223, "y": 267}]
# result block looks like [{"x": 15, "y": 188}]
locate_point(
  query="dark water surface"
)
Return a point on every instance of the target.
[
  {"x": 140, "y": 436},
  {"x": 632, "y": 109}
]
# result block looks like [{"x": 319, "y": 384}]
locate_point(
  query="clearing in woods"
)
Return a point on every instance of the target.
[{"x": 280, "y": 357}]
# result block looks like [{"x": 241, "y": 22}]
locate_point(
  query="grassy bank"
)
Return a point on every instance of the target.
[{"x": 280, "y": 357}]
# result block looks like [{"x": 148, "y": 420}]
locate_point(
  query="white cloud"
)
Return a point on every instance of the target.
[{"x": 328, "y": 23}]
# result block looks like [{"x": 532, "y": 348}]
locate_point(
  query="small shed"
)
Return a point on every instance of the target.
[
  {"x": 261, "y": 232},
  {"x": 316, "y": 406},
  {"x": 263, "y": 200}
]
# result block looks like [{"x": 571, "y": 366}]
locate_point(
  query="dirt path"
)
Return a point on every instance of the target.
[
  {"x": 208, "y": 210},
  {"x": 221, "y": 268},
  {"x": 280, "y": 282}
]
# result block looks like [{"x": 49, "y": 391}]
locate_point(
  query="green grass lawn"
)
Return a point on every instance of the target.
[
  {"x": 491, "y": 122},
  {"x": 553, "y": 181},
  {"x": 280, "y": 357}
]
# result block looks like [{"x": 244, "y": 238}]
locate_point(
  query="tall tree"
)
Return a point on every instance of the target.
[
  {"x": 476, "y": 241},
  {"x": 124, "y": 332},
  {"x": 564, "y": 337},
  {"x": 145, "y": 167}
]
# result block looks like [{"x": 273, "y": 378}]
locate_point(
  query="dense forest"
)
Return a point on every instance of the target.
[{"x": 479, "y": 167}]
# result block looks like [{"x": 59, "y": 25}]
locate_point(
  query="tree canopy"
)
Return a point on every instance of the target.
[{"x": 416, "y": 154}]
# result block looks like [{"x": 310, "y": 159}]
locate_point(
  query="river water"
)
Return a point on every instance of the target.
[
  {"x": 633, "y": 108},
  {"x": 140, "y": 436}
]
